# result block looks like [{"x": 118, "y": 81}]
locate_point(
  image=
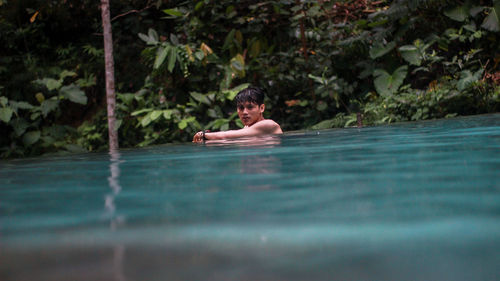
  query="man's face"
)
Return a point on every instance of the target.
[{"x": 250, "y": 113}]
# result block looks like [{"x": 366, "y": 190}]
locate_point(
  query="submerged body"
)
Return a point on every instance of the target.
[{"x": 260, "y": 128}]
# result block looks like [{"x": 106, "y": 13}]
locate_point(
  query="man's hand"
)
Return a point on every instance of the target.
[{"x": 200, "y": 136}]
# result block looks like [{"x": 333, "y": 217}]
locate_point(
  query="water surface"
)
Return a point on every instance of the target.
[{"x": 411, "y": 201}]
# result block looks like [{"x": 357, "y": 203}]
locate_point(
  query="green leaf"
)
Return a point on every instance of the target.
[
  {"x": 173, "y": 12},
  {"x": 20, "y": 125},
  {"x": 87, "y": 81},
  {"x": 146, "y": 120},
  {"x": 118, "y": 124},
  {"x": 4, "y": 101},
  {"x": 50, "y": 83},
  {"x": 229, "y": 39},
  {"x": 66, "y": 73},
  {"x": 316, "y": 78},
  {"x": 326, "y": 124},
  {"x": 200, "y": 98},
  {"x": 239, "y": 123},
  {"x": 144, "y": 38},
  {"x": 492, "y": 21},
  {"x": 155, "y": 114},
  {"x": 48, "y": 106},
  {"x": 74, "y": 94},
  {"x": 387, "y": 84},
  {"x": 35, "y": 115},
  {"x": 238, "y": 65},
  {"x": 199, "y": 5},
  {"x": 48, "y": 141},
  {"x": 31, "y": 137},
  {"x": 172, "y": 56},
  {"x": 474, "y": 11},
  {"x": 218, "y": 123},
  {"x": 127, "y": 98},
  {"x": 382, "y": 79},
  {"x": 174, "y": 39},
  {"x": 228, "y": 78},
  {"x": 183, "y": 124},
  {"x": 467, "y": 78},
  {"x": 6, "y": 114},
  {"x": 137, "y": 112},
  {"x": 21, "y": 105},
  {"x": 379, "y": 50},
  {"x": 411, "y": 54},
  {"x": 459, "y": 13},
  {"x": 352, "y": 119},
  {"x": 470, "y": 27},
  {"x": 199, "y": 55},
  {"x": 167, "y": 114},
  {"x": 212, "y": 113},
  {"x": 231, "y": 93},
  {"x": 255, "y": 49},
  {"x": 153, "y": 36},
  {"x": 314, "y": 11},
  {"x": 161, "y": 54}
]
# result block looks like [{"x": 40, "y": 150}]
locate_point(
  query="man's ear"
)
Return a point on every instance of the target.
[{"x": 262, "y": 108}]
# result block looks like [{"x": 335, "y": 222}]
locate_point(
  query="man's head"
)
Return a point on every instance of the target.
[
  {"x": 250, "y": 94},
  {"x": 250, "y": 105}
]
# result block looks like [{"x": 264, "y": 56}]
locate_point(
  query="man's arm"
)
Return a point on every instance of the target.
[{"x": 264, "y": 127}]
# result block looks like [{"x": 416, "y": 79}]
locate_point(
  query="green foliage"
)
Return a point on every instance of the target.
[
  {"x": 147, "y": 118},
  {"x": 30, "y": 128},
  {"x": 179, "y": 65},
  {"x": 442, "y": 100},
  {"x": 387, "y": 84},
  {"x": 378, "y": 50},
  {"x": 492, "y": 21}
]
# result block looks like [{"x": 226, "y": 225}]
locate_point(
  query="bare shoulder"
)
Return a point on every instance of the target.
[{"x": 268, "y": 126}]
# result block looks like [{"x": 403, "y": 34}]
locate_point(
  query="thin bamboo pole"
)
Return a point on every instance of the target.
[{"x": 110, "y": 75}]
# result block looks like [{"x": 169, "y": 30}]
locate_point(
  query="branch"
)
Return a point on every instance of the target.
[{"x": 148, "y": 5}]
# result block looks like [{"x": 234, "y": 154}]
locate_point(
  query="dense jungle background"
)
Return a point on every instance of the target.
[{"x": 179, "y": 64}]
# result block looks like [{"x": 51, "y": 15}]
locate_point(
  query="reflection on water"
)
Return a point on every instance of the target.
[
  {"x": 111, "y": 212},
  {"x": 263, "y": 141},
  {"x": 260, "y": 165},
  {"x": 257, "y": 164},
  {"x": 114, "y": 185},
  {"x": 252, "y": 165}
]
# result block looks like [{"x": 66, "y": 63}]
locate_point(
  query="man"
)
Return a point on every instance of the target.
[{"x": 250, "y": 106}]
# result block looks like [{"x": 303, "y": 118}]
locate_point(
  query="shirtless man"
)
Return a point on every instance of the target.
[{"x": 250, "y": 106}]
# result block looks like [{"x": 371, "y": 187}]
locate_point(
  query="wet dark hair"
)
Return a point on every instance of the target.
[{"x": 251, "y": 94}]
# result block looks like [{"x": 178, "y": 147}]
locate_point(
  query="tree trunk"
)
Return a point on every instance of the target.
[{"x": 110, "y": 75}]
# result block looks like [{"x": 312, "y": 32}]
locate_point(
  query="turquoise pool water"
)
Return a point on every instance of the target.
[{"x": 413, "y": 201}]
